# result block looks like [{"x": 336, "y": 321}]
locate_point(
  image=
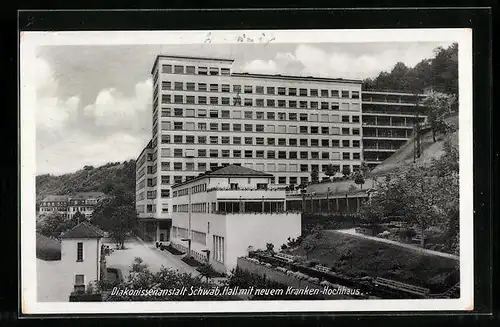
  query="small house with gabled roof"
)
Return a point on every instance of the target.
[{"x": 81, "y": 256}]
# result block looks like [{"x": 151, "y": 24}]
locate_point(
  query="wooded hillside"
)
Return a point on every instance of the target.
[
  {"x": 439, "y": 73},
  {"x": 114, "y": 176}
]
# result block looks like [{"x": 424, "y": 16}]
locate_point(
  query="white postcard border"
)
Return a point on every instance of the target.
[{"x": 29, "y": 41}]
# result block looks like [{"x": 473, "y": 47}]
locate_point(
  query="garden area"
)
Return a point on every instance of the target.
[
  {"x": 328, "y": 221},
  {"x": 356, "y": 258}
]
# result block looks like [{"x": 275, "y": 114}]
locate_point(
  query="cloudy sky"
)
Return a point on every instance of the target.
[{"x": 93, "y": 103}]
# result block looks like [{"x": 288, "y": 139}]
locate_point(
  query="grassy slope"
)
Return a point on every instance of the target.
[
  {"x": 430, "y": 150},
  {"x": 356, "y": 257}
]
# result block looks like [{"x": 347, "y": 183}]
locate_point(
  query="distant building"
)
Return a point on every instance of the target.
[
  {"x": 224, "y": 212},
  {"x": 69, "y": 205},
  {"x": 54, "y": 204}
]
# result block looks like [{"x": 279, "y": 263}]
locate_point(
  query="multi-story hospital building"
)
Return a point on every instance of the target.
[{"x": 206, "y": 116}]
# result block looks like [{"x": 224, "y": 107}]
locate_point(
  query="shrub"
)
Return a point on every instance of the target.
[
  {"x": 172, "y": 250},
  {"x": 207, "y": 270},
  {"x": 191, "y": 261},
  {"x": 312, "y": 263}
]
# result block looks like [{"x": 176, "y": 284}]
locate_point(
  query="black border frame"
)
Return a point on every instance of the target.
[{"x": 479, "y": 19}]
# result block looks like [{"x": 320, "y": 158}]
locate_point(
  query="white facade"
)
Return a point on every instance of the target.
[
  {"x": 227, "y": 215},
  {"x": 75, "y": 272},
  {"x": 57, "y": 279}
]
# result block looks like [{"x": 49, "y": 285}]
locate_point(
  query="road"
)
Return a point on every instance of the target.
[
  {"x": 352, "y": 231},
  {"x": 153, "y": 257}
]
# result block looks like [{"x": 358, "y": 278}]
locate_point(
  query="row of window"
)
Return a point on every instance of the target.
[
  {"x": 185, "y": 191},
  {"x": 269, "y": 167},
  {"x": 199, "y": 207},
  {"x": 71, "y": 203},
  {"x": 258, "y": 89},
  {"x": 250, "y": 102},
  {"x": 271, "y": 154},
  {"x": 225, "y": 153},
  {"x": 283, "y": 129},
  {"x": 180, "y": 208},
  {"x": 249, "y": 140},
  {"x": 170, "y": 180},
  {"x": 194, "y": 70},
  {"x": 259, "y": 115}
]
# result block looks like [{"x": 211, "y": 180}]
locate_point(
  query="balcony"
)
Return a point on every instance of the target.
[
  {"x": 369, "y": 111},
  {"x": 386, "y": 137},
  {"x": 380, "y": 148},
  {"x": 386, "y": 124}
]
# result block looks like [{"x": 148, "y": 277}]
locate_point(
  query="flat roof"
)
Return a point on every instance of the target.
[
  {"x": 227, "y": 171},
  {"x": 188, "y": 58},
  {"x": 297, "y": 78},
  {"x": 391, "y": 92}
]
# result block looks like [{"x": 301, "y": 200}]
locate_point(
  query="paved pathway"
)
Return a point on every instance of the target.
[
  {"x": 153, "y": 257},
  {"x": 352, "y": 231}
]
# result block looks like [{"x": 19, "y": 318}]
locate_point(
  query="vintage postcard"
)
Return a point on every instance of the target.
[{"x": 246, "y": 171}]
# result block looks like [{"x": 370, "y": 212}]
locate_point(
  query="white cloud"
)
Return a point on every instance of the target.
[
  {"x": 113, "y": 108},
  {"x": 44, "y": 74},
  {"x": 310, "y": 60},
  {"x": 51, "y": 112},
  {"x": 78, "y": 149},
  {"x": 260, "y": 66},
  {"x": 65, "y": 144}
]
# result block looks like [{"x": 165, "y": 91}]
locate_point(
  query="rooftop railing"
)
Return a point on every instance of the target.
[{"x": 245, "y": 189}]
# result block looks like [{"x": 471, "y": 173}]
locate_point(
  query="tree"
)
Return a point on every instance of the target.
[
  {"x": 444, "y": 68},
  {"x": 364, "y": 169},
  {"x": 330, "y": 170},
  {"x": 206, "y": 270},
  {"x": 55, "y": 224},
  {"x": 309, "y": 244},
  {"x": 311, "y": 241},
  {"x": 359, "y": 179},
  {"x": 79, "y": 217},
  {"x": 346, "y": 171},
  {"x": 423, "y": 195},
  {"x": 117, "y": 216},
  {"x": 314, "y": 176},
  {"x": 439, "y": 73},
  {"x": 438, "y": 106},
  {"x": 270, "y": 249},
  {"x": 50, "y": 225}
]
